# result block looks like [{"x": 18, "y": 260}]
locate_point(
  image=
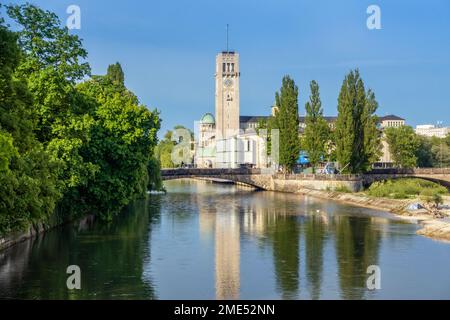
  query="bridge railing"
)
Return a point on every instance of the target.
[
  {"x": 300, "y": 176},
  {"x": 181, "y": 172},
  {"x": 208, "y": 172},
  {"x": 310, "y": 176},
  {"x": 427, "y": 171}
]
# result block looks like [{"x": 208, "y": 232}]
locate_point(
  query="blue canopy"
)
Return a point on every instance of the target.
[{"x": 303, "y": 158}]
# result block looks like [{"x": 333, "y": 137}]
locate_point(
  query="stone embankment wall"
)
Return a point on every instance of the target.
[
  {"x": 18, "y": 237},
  {"x": 39, "y": 228}
]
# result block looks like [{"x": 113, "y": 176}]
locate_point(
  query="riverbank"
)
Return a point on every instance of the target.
[
  {"x": 37, "y": 230},
  {"x": 18, "y": 237},
  {"x": 431, "y": 227}
]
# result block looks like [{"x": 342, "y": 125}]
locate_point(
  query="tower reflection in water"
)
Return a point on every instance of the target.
[
  {"x": 223, "y": 220},
  {"x": 297, "y": 231}
]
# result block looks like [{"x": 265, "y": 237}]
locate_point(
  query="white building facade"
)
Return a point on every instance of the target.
[{"x": 430, "y": 130}]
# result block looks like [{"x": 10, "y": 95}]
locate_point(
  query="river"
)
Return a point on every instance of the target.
[{"x": 218, "y": 241}]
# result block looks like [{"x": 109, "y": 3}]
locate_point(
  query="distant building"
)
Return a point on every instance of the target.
[
  {"x": 430, "y": 130},
  {"x": 391, "y": 121}
]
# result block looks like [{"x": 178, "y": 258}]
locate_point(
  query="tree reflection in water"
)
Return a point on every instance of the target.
[
  {"x": 203, "y": 240},
  {"x": 110, "y": 256}
]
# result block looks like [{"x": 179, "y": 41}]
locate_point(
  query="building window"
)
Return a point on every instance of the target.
[{"x": 224, "y": 67}]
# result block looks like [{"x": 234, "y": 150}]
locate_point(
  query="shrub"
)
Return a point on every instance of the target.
[
  {"x": 404, "y": 188},
  {"x": 342, "y": 188},
  {"x": 431, "y": 196}
]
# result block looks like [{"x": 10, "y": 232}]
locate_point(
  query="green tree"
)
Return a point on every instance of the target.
[
  {"x": 356, "y": 136},
  {"x": 372, "y": 135},
  {"x": 424, "y": 152},
  {"x": 403, "y": 146},
  {"x": 155, "y": 181},
  {"x": 440, "y": 152},
  {"x": 286, "y": 120},
  {"x": 28, "y": 179},
  {"x": 447, "y": 139},
  {"x": 52, "y": 64},
  {"x": 168, "y": 145},
  {"x": 122, "y": 140},
  {"x": 66, "y": 148},
  {"x": 115, "y": 74},
  {"x": 349, "y": 128},
  {"x": 267, "y": 124},
  {"x": 163, "y": 151},
  {"x": 317, "y": 131},
  {"x": 46, "y": 44}
]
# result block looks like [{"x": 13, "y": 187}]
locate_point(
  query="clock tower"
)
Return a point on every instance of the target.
[{"x": 227, "y": 94}]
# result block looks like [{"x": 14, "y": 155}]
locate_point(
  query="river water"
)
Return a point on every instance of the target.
[{"x": 214, "y": 241}]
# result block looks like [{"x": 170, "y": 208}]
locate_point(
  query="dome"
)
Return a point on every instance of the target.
[{"x": 208, "y": 118}]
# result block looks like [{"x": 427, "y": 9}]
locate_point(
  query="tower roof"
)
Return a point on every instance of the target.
[{"x": 207, "y": 118}]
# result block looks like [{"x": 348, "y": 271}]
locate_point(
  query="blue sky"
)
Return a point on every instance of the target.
[{"x": 167, "y": 50}]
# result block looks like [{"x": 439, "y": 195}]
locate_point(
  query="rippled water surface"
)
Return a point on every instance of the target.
[{"x": 214, "y": 241}]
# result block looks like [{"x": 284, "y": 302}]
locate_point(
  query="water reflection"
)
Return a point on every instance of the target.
[
  {"x": 109, "y": 255},
  {"x": 315, "y": 237},
  {"x": 280, "y": 219},
  {"x": 357, "y": 246},
  {"x": 209, "y": 241}
]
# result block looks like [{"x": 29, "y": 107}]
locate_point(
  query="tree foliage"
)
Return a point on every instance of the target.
[
  {"x": 286, "y": 120},
  {"x": 440, "y": 151},
  {"x": 403, "y": 145},
  {"x": 28, "y": 179},
  {"x": 66, "y": 148},
  {"x": 115, "y": 74},
  {"x": 356, "y": 135},
  {"x": 317, "y": 132},
  {"x": 121, "y": 141},
  {"x": 168, "y": 145}
]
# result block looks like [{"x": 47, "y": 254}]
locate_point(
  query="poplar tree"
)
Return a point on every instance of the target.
[
  {"x": 357, "y": 136},
  {"x": 316, "y": 132},
  {"x": 372, "y": 135},
  {"x": 286, "y": 120},
  {"x": 115, "y": 74}
]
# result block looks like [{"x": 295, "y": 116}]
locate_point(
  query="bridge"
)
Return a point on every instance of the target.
[{"x": 292, "y": 182}]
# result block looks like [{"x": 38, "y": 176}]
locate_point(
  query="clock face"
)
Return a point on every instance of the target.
[{"x": 228, "y": 82}]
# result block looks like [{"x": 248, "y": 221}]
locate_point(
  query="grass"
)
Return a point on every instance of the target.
[
  {"x": 342, "y": 188},
  {"x": 405, "y": 188}
]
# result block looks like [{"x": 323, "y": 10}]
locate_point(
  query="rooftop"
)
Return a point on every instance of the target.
[
  {"x": 253, "y": 119},
  {"x": 391, "y": 117}
]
